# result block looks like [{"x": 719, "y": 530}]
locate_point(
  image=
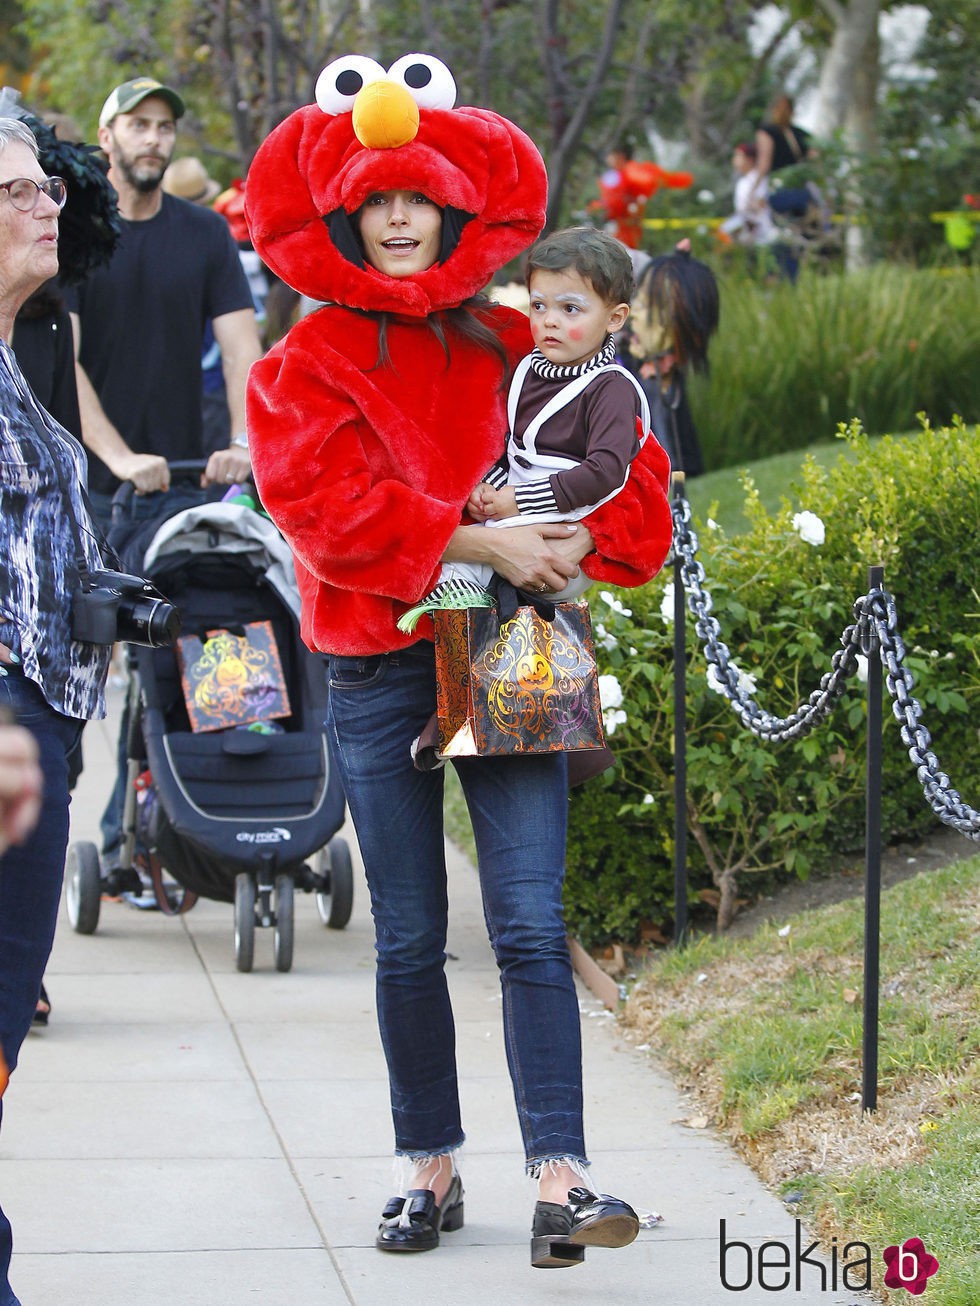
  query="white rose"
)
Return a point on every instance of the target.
[
  {"x": 610, "y": 692},
  {"x": 611, "y": 718},
  {"x": 810, "y": 527}
]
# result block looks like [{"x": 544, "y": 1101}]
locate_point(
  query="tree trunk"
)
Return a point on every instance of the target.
[
  {"x": 861, "y": 138},
  {"x": 727, "y": 883},
  {"x": 855, "y": 22}
]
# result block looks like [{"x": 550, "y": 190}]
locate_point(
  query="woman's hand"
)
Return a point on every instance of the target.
[{"x": 541, "y": 557}]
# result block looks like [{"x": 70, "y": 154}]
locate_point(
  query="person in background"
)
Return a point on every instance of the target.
[
  {"x": 139, "y": 323},
  {"x": 675, "y": 313},
  {"x": 626, "y": 187},
  {"x": 751, "y": 222},
  {"x": 779, "y": 144},
  {"x": 51, "y": 682}
]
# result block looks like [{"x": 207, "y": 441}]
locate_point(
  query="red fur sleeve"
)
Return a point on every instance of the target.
[
  {"x": 351, "y": 520},
  {"x": 633, "y": 532}
]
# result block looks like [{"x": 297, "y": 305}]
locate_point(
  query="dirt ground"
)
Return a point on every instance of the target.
[{"x": 940, "y": 847}]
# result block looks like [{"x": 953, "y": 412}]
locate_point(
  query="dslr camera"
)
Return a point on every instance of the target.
[{"x": 112, "y": 606}]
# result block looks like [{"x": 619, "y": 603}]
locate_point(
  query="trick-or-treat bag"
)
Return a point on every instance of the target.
[
  {"x": 232, "y": 678},
  {"x": 524, "y": 685}
]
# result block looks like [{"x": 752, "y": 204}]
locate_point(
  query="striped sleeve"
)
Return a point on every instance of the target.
[{"x": 536, "y": 497}]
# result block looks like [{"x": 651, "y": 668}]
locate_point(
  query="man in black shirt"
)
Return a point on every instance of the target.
[{"x": 139, "y": 322}]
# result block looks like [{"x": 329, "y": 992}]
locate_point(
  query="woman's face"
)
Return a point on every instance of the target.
[
  {"x": 400, "y": 231},
  {"x": 28, "y": 241}
]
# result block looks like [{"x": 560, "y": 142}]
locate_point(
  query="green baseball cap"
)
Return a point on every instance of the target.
[{"x": 125, "y": 98}]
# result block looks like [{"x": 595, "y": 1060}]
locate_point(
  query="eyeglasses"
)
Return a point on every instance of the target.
[{"x": 24, "y": 193}]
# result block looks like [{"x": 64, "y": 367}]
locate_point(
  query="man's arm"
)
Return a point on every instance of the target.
[
  {"x": 237, "y": 335},
  {"x": 146, "y": 471}
]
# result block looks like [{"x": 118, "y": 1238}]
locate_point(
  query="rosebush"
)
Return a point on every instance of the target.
[{"x": 783, "y": 593}]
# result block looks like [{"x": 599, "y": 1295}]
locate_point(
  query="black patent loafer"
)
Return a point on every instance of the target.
[
  {"x": 413, "y": 1223},
  {"x": 561, "y": 1233}
]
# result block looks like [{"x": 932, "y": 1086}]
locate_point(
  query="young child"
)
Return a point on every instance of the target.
[
  {"x": 577, "y": 419},
  {"x": 751, "y": 223}
]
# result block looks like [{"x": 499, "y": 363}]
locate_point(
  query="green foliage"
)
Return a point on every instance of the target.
[
  {"x": 936, "y": 1199},
  {"x": 791, "y": 362},
  {"x": 798, "y": 1041},
  {"x": 765, "y": 1028},
  {"x": 782, "y": 603}
]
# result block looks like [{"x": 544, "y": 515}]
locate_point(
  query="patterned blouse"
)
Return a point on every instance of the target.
[{"x": 37, "y": 548}]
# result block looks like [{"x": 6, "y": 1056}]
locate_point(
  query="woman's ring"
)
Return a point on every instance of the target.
[{"x": 230, "y": 478}]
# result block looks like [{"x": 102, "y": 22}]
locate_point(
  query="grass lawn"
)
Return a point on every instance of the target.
[
  {"x": 766, "y": 1034},
  {"x": 720, "y": 494}
]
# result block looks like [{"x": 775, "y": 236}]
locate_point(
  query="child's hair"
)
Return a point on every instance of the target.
[
  {"x": 748, "y": 149},
  {"x": 598, "y": 257}
]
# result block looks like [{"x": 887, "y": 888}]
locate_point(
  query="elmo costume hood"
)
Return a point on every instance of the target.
[
  {"x": 370, "y": 131},
  {"x": 372, "y": 420}
]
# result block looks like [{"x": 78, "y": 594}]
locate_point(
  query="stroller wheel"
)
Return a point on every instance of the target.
[
  {"x": 283, "y": 937},
  {"x": 335, "y": 901},
  {"x": 244, "y": 920},
  {"x": 83, "y": 887}
]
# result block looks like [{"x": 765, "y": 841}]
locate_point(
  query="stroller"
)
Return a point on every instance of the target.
[{"x": 230, "y": 814}]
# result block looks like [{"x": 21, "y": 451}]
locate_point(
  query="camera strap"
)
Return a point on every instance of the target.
[{"x": 106, "y": 551}]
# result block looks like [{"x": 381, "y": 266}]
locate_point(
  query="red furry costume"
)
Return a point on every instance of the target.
[{"x": 366, "y": 468}]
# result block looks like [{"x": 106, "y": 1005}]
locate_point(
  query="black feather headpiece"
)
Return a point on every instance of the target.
[
  {"x": 90, "y": 226},
  {"x": 680, "y": 294}
]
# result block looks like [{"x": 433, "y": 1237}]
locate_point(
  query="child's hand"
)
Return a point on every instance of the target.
[
  {"x": 499, "y": 503},
  {"x": 475, "y": 503}
]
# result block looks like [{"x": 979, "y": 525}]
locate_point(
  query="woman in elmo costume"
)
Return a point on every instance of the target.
[{"x": 369, "y": 425}]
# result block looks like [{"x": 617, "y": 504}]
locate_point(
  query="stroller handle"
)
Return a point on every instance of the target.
[
  {"x": 188, "y": 465},
  {"x": 184, "y": 468}
]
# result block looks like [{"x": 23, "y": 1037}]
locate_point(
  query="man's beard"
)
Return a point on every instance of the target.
[{"x": 143, "y": 182}]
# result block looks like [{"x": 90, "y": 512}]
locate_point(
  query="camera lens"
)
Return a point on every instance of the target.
[{"x": 144, "y": 620}]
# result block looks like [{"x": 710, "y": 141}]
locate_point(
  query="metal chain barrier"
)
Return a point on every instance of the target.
[
  {"x": 875, "y": 615},
  {"x": 940, "y": 795}
]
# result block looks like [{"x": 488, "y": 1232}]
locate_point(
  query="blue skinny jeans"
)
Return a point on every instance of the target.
[
  {"x": 518, "y": 807},
  {"x": 30, "y": 890}
]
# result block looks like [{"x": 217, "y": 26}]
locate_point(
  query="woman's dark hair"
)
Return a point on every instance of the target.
[{"x": 469, "y": 320}]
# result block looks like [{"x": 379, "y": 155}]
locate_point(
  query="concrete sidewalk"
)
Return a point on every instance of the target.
[{"x": 185, "y": 1135}]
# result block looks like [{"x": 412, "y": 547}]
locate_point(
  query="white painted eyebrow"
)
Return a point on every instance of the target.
[{"x": 566, "y": 297}]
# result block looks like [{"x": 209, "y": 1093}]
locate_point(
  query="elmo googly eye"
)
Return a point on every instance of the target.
[
  {"x": 339, "y": 83},
  {"x": 427, "y": 79}
]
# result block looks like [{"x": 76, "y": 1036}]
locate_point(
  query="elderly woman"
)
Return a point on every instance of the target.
[{"x": 51, "y": 682}]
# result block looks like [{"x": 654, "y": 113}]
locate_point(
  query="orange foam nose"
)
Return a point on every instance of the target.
[{"x": 385, "y": 116}]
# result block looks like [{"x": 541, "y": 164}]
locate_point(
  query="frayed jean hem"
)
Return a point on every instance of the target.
[{"x": 535, "y": 1165}]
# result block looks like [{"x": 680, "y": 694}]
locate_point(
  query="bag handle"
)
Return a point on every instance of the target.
[{"x": 510, "y": 597}]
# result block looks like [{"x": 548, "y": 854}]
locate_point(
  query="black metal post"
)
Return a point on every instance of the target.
[
  {"x": 872, "y": 873},
  {"x": 680, "y": 741}
]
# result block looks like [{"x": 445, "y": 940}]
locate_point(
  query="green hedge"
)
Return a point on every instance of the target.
[
  {"x": 791, "y": 362},
  {"x": 910, "y": 504}
]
